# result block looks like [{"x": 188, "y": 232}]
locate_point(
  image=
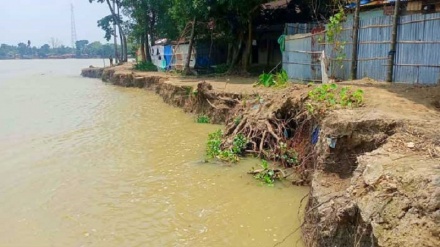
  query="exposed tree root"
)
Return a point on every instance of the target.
[{"x": 277, "y": 129}]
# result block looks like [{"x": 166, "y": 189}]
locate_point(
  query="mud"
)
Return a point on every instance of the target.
[
  {"x": 374, "y": 171},
  {"x": 92, "y": 72}
]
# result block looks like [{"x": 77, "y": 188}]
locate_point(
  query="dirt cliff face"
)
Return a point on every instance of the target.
[
  {"x": 92, "y": 72},
  {"x": 380, "y": 184},
  {"x": 374, "y": 171}
]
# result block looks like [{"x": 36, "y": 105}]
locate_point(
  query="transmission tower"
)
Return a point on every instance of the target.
[{"x": 73, "y": 27}]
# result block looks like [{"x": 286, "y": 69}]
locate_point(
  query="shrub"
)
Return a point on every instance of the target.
[
  {"x": 214, "y": 147},
  {"x": 145, "y": 66},
  {"x": 279, "y": 79},
  {"x": 203, "y": 119}
]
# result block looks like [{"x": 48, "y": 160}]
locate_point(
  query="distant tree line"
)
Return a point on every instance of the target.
[{"x": 83, "y": 49}]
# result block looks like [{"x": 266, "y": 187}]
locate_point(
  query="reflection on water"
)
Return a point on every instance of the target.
[{"x": 87, "y": 164}]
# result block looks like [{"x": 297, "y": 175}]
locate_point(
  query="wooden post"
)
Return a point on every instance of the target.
[
  {"x": 354, "y": 53},
  {"x": 187, "y": 69},
  {"x": 392, "y": 52}
]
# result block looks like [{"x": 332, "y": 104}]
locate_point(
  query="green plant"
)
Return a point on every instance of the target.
[
  {"x": 279, "y": 79},
  {"x": 358, "y": 97},
  {"x": 266, "y": 174},
  {"x": 145, "y": 66},
  {"x": 329, "y": 95},
  {"x": 266, "y": 80},
  {"x": 334, "y": 29},
  {"x": 239, "y": 144},
  {"x": 288, "y": 155},
  {"x": 203, "y": 119},
  {"x": 214, "y": 147}
]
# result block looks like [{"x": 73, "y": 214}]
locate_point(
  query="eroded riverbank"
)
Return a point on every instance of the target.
[
  {"x": 366, "y": 188},
  {"x": 87, "y": 164}
]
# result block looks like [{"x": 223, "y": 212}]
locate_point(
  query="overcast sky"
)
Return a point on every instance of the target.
[{"x": 39, "y": 20}]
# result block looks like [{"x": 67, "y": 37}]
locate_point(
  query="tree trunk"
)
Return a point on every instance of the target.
[
  {"x": 116, "y": 20},
  {"x": 147, "y": 48},
  {"x": 187, "y": 70},
  {"x": 114, "y": 32},
  {"x": 247, "y": 51},
  {"x": 237, "y": 53},
  {"x": 120, "y": 36},
  {"x": 229, "y": 58},
  {"x": 125, "y": 57},
  {"x": 142, "y": 49},
  {"x": 121, "y": 56},
  {"x": 354, "y": 51}
]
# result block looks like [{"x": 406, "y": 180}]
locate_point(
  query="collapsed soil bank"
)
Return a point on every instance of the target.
[{"x": 379, "y": 185}]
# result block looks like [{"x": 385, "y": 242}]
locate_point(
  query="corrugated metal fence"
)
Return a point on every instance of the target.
[{"x": 417, "y": 53}]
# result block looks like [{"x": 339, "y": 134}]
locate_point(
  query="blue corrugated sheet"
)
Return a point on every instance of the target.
[{"x": 417, "y": 53}]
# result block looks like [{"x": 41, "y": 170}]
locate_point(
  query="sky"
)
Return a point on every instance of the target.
[{"x": 40, "y": 20}]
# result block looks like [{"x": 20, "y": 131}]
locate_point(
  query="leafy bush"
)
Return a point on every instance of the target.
[
  {"x": 279, "y": 79},
  {"x": 239, "y": 144},
  {"x": 214, "y": 147},
  {"x": 266, "y": 80},
  {"x": 145, "y": 66},
  {"x": 203, "y": 119}
]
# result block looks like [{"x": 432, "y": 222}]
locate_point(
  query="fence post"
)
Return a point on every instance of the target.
[
  {"x": 392, "y": 52},
  {"x": 354, "y": 53}
]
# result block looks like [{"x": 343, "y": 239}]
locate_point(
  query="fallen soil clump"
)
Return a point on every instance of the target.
[{"x": 374, "y": 170}]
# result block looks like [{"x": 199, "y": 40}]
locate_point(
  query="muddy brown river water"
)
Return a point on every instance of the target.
[{"x": 83, "y": 163}]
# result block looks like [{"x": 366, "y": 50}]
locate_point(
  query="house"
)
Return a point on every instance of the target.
[
  {"x": 416, "y": 54},
  {"x": 377, "y": 8},
  {"x": 277, "y": 18}
]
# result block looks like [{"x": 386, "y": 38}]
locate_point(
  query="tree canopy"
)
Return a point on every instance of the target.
[{"x": 232, "y": 21}]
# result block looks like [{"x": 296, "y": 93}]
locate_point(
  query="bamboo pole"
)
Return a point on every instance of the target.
[
  {"x": 354, "y": 51},
  {"x": 392, "y": 52}
]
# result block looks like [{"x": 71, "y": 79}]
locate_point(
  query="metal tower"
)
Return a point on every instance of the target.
[{"x": 73, "y": 27}]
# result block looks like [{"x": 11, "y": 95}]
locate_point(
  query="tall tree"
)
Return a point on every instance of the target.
[
  {"x": 118, "y": 21},
  {"x": 80, "y": 47}
]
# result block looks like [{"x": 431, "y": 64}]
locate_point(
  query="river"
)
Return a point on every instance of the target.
[{"x": 83, "y": 163}]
